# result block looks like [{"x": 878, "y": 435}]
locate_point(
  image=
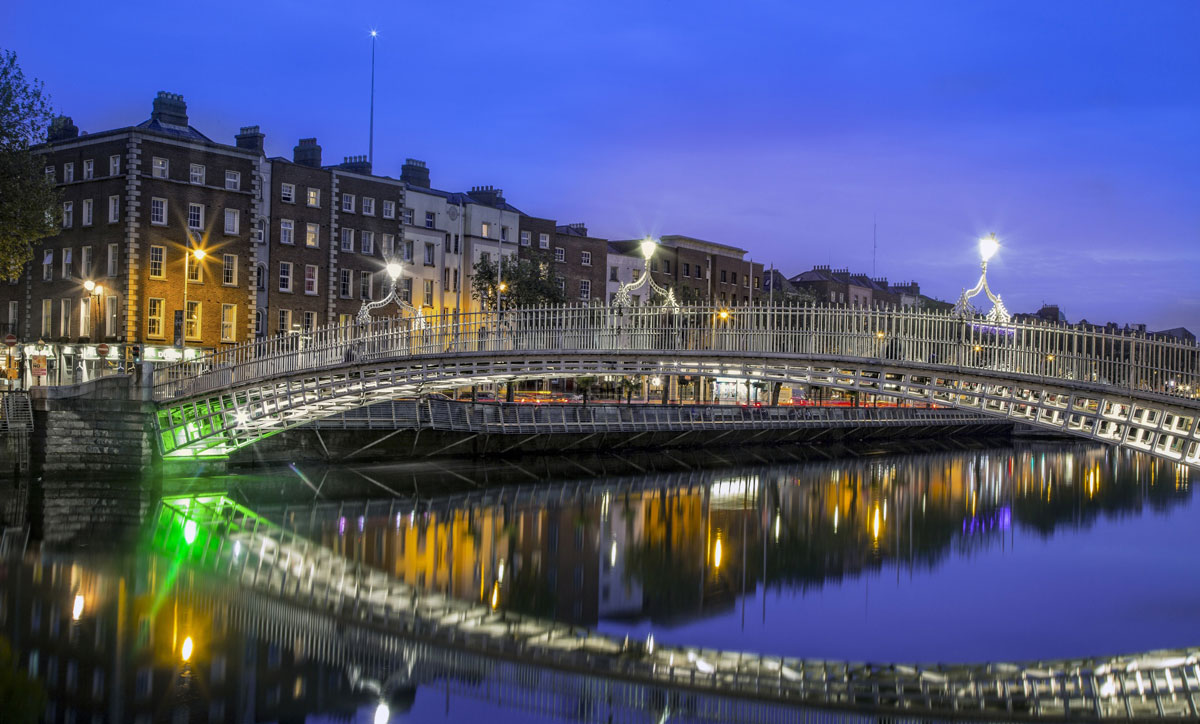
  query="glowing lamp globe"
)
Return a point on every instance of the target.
[
  {"x": 648, "y": 246},
  {"x": 89, "y": 285},
  {"x": 988, "y": 246},
  {"x": 393, "y": 270},
  {"x": 199, "y": 254}
]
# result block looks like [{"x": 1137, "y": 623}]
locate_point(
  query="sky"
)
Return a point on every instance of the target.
[{"x": 804, "y": 132}]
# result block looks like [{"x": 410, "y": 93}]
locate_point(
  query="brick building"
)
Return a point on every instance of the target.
[
  {"x": 698, "y": 270},
  {"x": 577, "y": 258}
]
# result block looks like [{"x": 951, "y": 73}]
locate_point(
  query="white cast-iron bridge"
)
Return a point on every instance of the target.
[{"x": 1124, "y": 389}]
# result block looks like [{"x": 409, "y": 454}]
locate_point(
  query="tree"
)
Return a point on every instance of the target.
[
  {"x": 585, "y": 385},
  {"x": 528, "y": 282},
  {"x": 28, "y": 199}
]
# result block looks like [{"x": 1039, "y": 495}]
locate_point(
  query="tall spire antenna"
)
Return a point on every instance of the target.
[
  {"x": 874, "y": 245},
  {"x": 371, "y": 138}
]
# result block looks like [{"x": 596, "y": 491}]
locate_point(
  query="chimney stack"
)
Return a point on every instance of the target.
[
  {"x": 250, "y": 138},
  {"x": 356, "y": 164},
  {"x": 488, "y": 195},
  {"x": 415, "y": 172},
  {"x": 307, "y": 153},
  {"x": 169, "y": 108}
]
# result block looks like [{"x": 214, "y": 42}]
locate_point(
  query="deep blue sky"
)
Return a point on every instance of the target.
[{"x": 1071, "y": 129}]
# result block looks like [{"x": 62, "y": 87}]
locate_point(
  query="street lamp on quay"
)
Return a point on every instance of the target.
[
  {"x": 198, "y": 254},
  {"x": 95, "y": 294}
]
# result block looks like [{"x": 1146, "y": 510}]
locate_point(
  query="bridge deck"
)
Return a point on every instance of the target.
[
  {"x": 217, "y": 534},
  {"x": 1126, "y": 390}
]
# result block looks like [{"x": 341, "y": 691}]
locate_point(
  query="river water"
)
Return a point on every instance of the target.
[{"x": 957, "y": 552}]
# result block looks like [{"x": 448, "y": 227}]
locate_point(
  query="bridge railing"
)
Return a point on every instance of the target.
[{"x": 1134, "y": 362}]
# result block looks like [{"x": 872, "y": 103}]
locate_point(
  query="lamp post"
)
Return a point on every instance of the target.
[
  {"x": 623, "y": 299},
  {"x": 199, "y": 255},
  {"x": 988, "y": 246},
  {"x": 95, "y": 292}
]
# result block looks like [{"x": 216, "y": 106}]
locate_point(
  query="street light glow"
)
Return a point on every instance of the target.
[
  {"x": 98, "y": 290},
  {"x": 199, "y": 254},
  {"x": 988, "y": 246},
  {"x": 723, "y": 314},
  {"x": 382, "y": 713},
  {"x": 504, "y": 286},
  {"x": 648, "y": 246},
  {"x": 393, "y": 270},
  {"x": 89, "y": 285}
]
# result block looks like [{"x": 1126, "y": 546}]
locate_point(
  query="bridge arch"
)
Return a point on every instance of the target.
[{"x": 1127, "y": 391}]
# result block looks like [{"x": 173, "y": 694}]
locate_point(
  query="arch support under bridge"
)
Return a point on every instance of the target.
[{"x": 1129, "y": 391}]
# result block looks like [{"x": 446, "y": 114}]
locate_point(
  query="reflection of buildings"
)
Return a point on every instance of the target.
[
  {"x": 653, "y": 551},
  {"x": 107, "y": 646}
]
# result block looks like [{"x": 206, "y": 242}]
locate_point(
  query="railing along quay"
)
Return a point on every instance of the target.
[
  {"x": 494, "y": 418},
  {"x": 1130, "y": 361},
  {"x": 216, "y": 534}
]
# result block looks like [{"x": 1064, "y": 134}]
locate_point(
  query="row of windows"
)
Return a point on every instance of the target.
[
  {"x": 88, "y": 311},
  {"x": 543, "y": 239},
  {"x": 197, "y": 173},
  {"x": 86, "y": 265},
  {"x": 89, "y": 169},
  {"x": 88, "y": 211},
  {"x": 195, "y": 216},
  {"x": 193, "y": 314}
]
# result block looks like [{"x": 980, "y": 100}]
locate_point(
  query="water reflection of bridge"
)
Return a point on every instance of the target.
[{"x": 424, "y": 626}]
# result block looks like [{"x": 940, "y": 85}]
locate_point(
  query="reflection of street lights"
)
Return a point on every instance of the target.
[{"x": 185, "y": 652}]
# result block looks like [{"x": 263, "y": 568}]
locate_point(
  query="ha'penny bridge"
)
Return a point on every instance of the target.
[
  {"x": 1129, "y": 390},
  {"x": 383, "y": 630}
]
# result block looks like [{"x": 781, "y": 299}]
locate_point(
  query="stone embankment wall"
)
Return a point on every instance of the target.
[{"x": 96, "y": 430}]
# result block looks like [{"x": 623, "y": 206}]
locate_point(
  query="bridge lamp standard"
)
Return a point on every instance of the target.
[{"x": 988, "y": 246}]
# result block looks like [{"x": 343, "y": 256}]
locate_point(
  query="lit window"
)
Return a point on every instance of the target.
[
  {"x": 314, "y": 198},
  {"x": 191, "y": 322},
  {"x": 312, "y": 236},
  {"x": 196, "y": 173},
  {"x": 158, "y": 255},
  {"x": 193, "y": 268},
  {"x": 428, "y": 292},
  {"x": 154, "y": 317},
  {"x": 228, "y": 322},
  {"x": 160, "y": 167}
]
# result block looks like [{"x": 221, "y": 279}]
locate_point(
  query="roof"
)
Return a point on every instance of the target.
[{"x": 188, "y": 132}]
